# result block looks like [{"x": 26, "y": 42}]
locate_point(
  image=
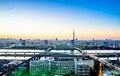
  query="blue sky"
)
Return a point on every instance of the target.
[{"x": 49, "y": 19}]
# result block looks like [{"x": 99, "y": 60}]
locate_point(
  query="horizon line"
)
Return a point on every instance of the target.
[{"x": 59, "y": 38}]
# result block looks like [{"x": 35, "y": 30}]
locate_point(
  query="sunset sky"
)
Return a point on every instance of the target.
[{"x": 50, "y": 19}]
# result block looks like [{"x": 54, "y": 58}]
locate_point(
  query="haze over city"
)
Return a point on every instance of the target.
[{"x": 50, "y": 19}]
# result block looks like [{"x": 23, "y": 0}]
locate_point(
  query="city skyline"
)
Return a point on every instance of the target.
[{"x": 50, "y": 19}]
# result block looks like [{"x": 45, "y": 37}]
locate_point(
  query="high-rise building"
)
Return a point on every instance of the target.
[
  {"x": 67, "y": 66},
  {"x": 39, "y": 67},
  {"x": 83, "y": 70}
]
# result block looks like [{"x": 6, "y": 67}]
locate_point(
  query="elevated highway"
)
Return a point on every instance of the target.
[
  {"x": 47, "y": 53},
  {"x": 98, "y": 59},
  {"x": 30, "y": 54},
  {"x": 25, "y": 62}
]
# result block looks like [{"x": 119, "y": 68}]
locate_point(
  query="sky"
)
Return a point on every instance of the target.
[{"x": 50, "y": 19}]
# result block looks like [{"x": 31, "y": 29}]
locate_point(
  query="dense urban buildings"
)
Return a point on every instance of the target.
[{"x": 58, "y": 44}]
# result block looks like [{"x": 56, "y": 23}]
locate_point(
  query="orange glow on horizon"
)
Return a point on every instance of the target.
[{"x": 62, "y": 36}]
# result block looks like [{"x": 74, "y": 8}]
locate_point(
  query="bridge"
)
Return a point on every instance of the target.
[
  {"x": 30, "y": 54},
  {"x": 98, "y": 59},
  {"x": 47, "y": 53}
]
